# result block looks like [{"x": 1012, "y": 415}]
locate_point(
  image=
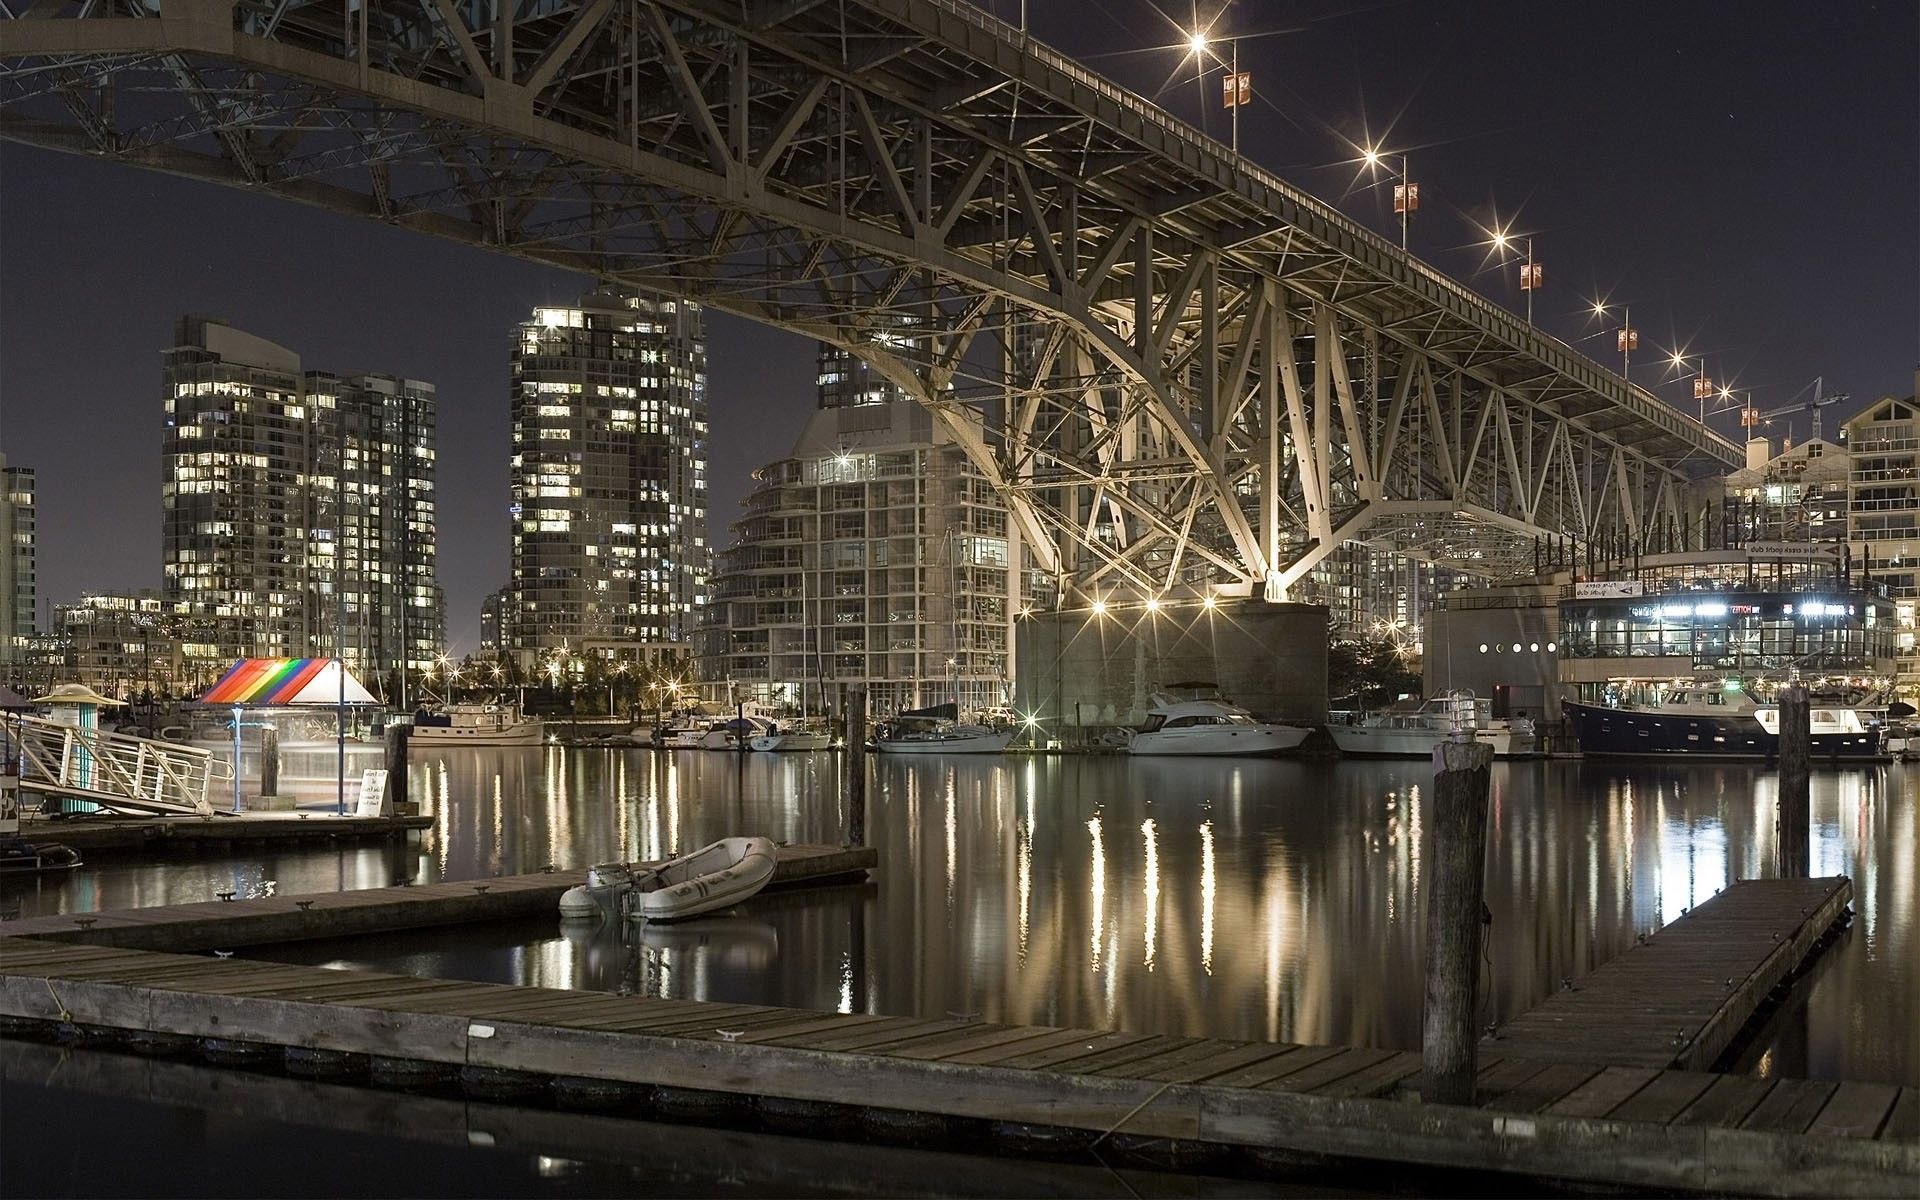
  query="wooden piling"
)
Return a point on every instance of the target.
[
  {"x": 269, "y": 760},
  {"x": 856, "y": 766},
  {"x": 1456, "y": 885},
  {"x": 1794, "y": 831},
  {"x": 396, "y": 793}
]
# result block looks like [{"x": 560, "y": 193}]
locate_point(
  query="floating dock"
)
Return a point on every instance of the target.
[
  {"x": 227, "y": 925},
  {"x": 1594, "y": 1121},
  {"x": 106, "y": 835},
  {"x": 1681, "y": 996}
]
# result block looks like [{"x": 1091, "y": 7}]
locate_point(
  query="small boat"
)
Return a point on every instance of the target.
[
  {"x": 1413, "y": 732},
  {"x": 937, "y": 730},
  {"x": 475, "y": 725},
  {"x": 794, "y": 737},
  {"x": 712, "y": 877},
  {"x": 1210, "y": 726},
  {"x": 21, "y": 857}
]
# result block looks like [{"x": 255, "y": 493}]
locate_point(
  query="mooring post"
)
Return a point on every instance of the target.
[
  {"x": 1456, "y": 886},
  {"x": 857, "y": 766},
  {"x": 269, "y": 760},
  {"x": 1794, "y": 835},
  {"x": 396, "y": 792}
]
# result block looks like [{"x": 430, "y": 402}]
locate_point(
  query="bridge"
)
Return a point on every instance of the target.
[{"x": 1182, "y": 372}]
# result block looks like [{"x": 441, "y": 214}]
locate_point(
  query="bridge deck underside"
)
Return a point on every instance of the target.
[{"x": 1179, "y": 370}]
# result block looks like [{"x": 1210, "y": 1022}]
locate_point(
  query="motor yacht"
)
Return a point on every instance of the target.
[
  {"x": 1413, "y": 732},
  {"x": 1211, "y": 727},
  {"x": 1716, "y": 721},
  {"x": 475, "y": 725},
  {"x": 938, "y": 730}
]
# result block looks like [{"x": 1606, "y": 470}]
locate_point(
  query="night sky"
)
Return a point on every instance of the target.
[{"x": 1745, "y": 175}]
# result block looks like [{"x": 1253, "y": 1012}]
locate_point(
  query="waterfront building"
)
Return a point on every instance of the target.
[
  {"x": 1798, "y": 495},
  {"x": 1373, "y": 594},
  {"x": 609, "y": 480},
  {"x": 495, "y": 612},
  {"x": 372, "y": 530},
  {"x": 281, "y": 486},
  {"x": 873, "y": 554},
  {"x": 1883, "y": 513},
  {"x": 130, "y": 643},
  {"x": 19, "y": 593},
  {"x": 237, "y": 457}
]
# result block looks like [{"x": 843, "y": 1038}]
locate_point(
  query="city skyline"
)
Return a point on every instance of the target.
[{"x": 1688, "y": 230}]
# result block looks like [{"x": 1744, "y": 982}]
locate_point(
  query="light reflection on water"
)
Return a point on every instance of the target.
[{"x": 1238, "y": 899}]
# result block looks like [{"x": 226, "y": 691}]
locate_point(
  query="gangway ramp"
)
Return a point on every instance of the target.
[{"x": 117, "y": 771}]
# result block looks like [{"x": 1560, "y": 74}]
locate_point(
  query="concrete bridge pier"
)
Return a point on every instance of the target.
[{"x": 1083, "y": 672}]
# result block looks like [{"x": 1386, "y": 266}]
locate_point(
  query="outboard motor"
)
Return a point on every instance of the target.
[{"x": 607, "y": 884}]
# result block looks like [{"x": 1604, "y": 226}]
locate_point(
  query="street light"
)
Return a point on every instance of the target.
[
  {"x": 1406, "y": 193},
  {"x": 1530, "y": 272},
  {"x": 1236, "y": 88},
  {"x": 1627, "y": 339}
]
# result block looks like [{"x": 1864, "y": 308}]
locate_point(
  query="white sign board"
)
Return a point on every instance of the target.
[
  {"x": 373, "y": 793},
  {"x": 1592, "y": 589}
]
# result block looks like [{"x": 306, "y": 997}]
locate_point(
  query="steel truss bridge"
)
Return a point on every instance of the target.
[{"x": 1179, "y": 370}]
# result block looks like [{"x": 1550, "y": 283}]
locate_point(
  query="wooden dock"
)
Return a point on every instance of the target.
[
  {"x": 227, "y": 925},
  {"x": 106, "y": 835},
  {"x": 1680, "y": 997},
  {"x": 1637, "y": 1127}
]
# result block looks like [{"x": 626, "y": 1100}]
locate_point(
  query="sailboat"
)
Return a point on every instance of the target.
[{"x": 810, "y": 733}]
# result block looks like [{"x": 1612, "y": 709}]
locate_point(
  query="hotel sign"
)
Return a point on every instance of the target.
[{"x": 1600, "y": 589}]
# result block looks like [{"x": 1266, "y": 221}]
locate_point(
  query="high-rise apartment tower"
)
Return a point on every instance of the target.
[{"x": 609, "y": 513}]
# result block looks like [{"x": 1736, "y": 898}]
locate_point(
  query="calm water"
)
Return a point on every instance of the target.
[{"x": 1250, "y": 900}]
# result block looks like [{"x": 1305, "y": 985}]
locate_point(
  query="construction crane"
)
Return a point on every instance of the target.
[{"x": 1751, "y": 416}]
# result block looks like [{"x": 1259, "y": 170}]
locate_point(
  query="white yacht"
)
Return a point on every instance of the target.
[
  {"x": 475, "y": 725},
  {"x": 938, "y": 730},
  {"x": 1414, "y": 732},
  {"x": 1211, "y": 727},
  {"x": 793, "y": 738},
  {"x": 737, "y": 733}
]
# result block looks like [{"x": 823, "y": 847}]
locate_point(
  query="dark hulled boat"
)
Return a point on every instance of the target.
[{"x": 1714, "y": 723}]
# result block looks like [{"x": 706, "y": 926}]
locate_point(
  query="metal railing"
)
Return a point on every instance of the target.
[{"x": 115, "y": 770}]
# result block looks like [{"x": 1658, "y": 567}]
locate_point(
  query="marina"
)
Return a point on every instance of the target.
[{"x": 1532, "y": 1117}]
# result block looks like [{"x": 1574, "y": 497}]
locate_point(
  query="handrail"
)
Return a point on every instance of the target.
[{"x": 114, "y": 770}]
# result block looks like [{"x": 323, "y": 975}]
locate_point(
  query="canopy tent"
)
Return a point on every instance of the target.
[{"x": 278, "y": 682}]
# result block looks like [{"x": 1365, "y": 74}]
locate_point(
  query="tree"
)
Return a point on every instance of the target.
[{"x": 1369, "y": 673}]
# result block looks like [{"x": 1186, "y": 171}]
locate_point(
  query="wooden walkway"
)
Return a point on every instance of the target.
[
  {"x": 226, "y": 925},
  {"x": 1621, "y": 1126},
  {"x": 103, "y": 835},
  {"x": 1679, "y": 998}
]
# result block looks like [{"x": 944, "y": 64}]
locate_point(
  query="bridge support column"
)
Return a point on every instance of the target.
[{"x": 1081, "y": 672}]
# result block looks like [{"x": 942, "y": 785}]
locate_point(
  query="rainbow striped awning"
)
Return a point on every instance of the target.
[{"x": 270, "y": 682}]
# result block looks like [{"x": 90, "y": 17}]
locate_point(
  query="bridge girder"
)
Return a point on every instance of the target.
[{"x": 1178, "y": 371}]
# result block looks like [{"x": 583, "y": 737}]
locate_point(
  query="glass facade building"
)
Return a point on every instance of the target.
[
  {"x": 609, "y": 479},
  {"x": 285, "y": 491},
  {"x": 19, "y": 587}
]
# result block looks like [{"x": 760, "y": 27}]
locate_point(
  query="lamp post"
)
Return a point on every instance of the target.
[
  {"x": 1626, "y": 339},
  {"x": 1236, "y": 88},
  {"x": 1530, "y": 271},
  {"x": 1406, "y": 193}
]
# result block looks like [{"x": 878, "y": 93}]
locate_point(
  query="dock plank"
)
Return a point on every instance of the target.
[
  {"x": 1603, "y": 1093},
  {"x": 1857, "y": 1110},
  {"x": 1791, "y": 1106},
  {"x": 1726, "y": 1102},
  {"x": 1679, "y": 997},
  {"x": 1903, "y": 1123}
]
